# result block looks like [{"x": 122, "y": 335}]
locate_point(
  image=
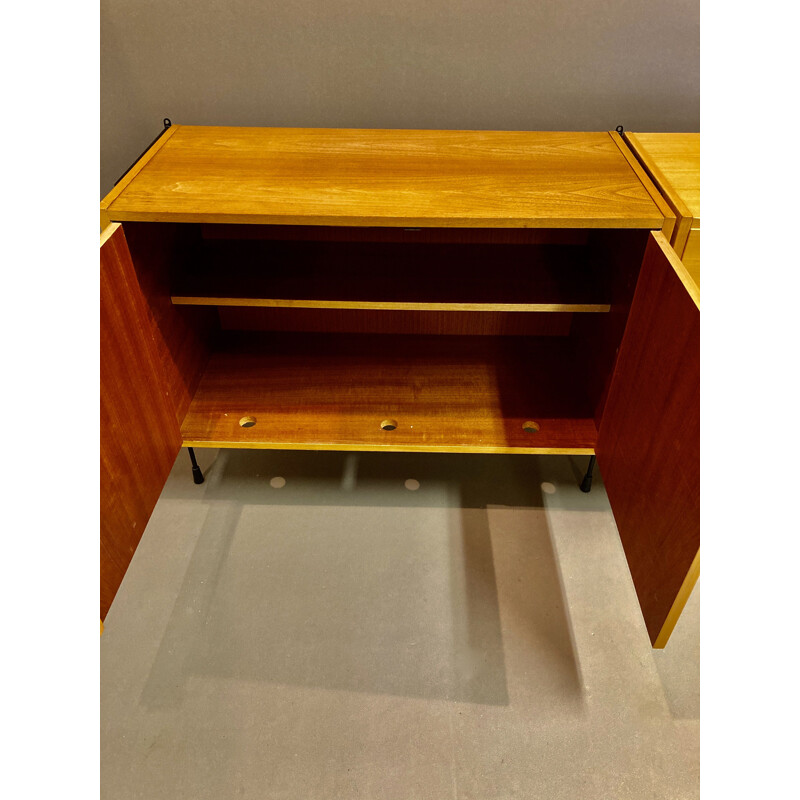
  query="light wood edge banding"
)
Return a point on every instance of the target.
[
  {"x": 631, "y": 223},
  {"x": 351, "y": 305},
  {"x": 681, "y": 235},
  {"x": 539, "y": 451},
  {"x": 108, "y": 232},
  {"x": 680, "y": 270},
  {"x": 106, "y": 202},
  {"x": 681, "y": 210},
  {"x": 668, "y": 225},
  {"x": 680, "y": 602}
]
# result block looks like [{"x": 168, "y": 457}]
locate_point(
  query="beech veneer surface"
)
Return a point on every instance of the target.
[
  {"x": 674, "y": 159},
  {"x": 299, "y": 176}
]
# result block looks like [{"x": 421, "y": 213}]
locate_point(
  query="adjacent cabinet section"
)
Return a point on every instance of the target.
[
  {"x": 672, "y": 160},
  {"x": 472, "y": 292}
]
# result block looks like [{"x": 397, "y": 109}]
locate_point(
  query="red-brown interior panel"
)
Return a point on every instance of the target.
[
  {"x": 151, "y": 356},
  {"x": 648, "y": 445}
]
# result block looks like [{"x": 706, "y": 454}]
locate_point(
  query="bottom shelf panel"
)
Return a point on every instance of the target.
[{"x": 344, "y": 392}]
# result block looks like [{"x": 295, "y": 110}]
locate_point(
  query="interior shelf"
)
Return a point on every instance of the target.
[
  {"x": 391, "y": 276},
  {"x": 401, "y": 393}
]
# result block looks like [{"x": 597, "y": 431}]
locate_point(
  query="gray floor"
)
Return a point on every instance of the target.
[{"x": 305, "y": 626}]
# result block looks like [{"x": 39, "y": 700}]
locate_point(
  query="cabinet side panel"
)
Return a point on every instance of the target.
[
  {"x": 648, "y": 445},
  {"x": 617, "y": 257},
  {"x": 139, "y": 430}
]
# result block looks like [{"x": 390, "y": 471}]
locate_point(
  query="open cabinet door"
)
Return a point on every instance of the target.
[
  {"x": 139, "y": 433},
  {"x": 648, "y": 446}
]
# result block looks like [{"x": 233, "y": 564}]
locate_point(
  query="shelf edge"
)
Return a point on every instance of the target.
[
  {"x": 575, "y": 451},
  {"x": 193, "y": 300}
]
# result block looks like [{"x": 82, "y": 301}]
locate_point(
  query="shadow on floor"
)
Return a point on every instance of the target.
[{"x": 368, "y": 572}]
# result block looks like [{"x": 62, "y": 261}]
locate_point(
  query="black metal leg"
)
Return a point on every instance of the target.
[
  {"x": 586, "y": 483},
  {"x": 197, "y": 473}
]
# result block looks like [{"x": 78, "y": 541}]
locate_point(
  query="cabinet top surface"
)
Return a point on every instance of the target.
[
  {"x": 677, "y": 157},
  {"x": 320, "y": 176}
]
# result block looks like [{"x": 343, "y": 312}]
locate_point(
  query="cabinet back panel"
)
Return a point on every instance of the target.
[
  {"x": 392, "y": 276},
  {"x": 456, "y": 323},
  {"x": 367, "y": 280},
  {"x": 330, "y": 233},
  {"x": 403, "y": 393}
]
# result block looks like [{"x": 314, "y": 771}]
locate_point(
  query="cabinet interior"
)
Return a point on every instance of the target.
[{"x": 437, "y": 339}]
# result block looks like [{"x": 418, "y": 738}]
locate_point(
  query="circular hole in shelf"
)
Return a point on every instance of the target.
[
  {"x": 278, "y": 482},
  {"x": 548, "y": 488},
  {"x": 389, "y": 424},
  {"x": 530, "y": 426},
  {"x": 412, "y": 485},
  {"x": 247, "y": 422}
]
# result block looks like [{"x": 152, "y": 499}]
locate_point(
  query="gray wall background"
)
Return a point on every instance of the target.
[{"x": 471, "y": 64}]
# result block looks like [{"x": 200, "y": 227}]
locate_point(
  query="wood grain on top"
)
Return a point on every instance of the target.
[
  {"x": 674, "y": 161},
  {"x": 296, "y": 176}
]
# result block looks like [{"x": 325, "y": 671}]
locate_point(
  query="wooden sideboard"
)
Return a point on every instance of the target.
[{"x": 438, "y": 291}]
